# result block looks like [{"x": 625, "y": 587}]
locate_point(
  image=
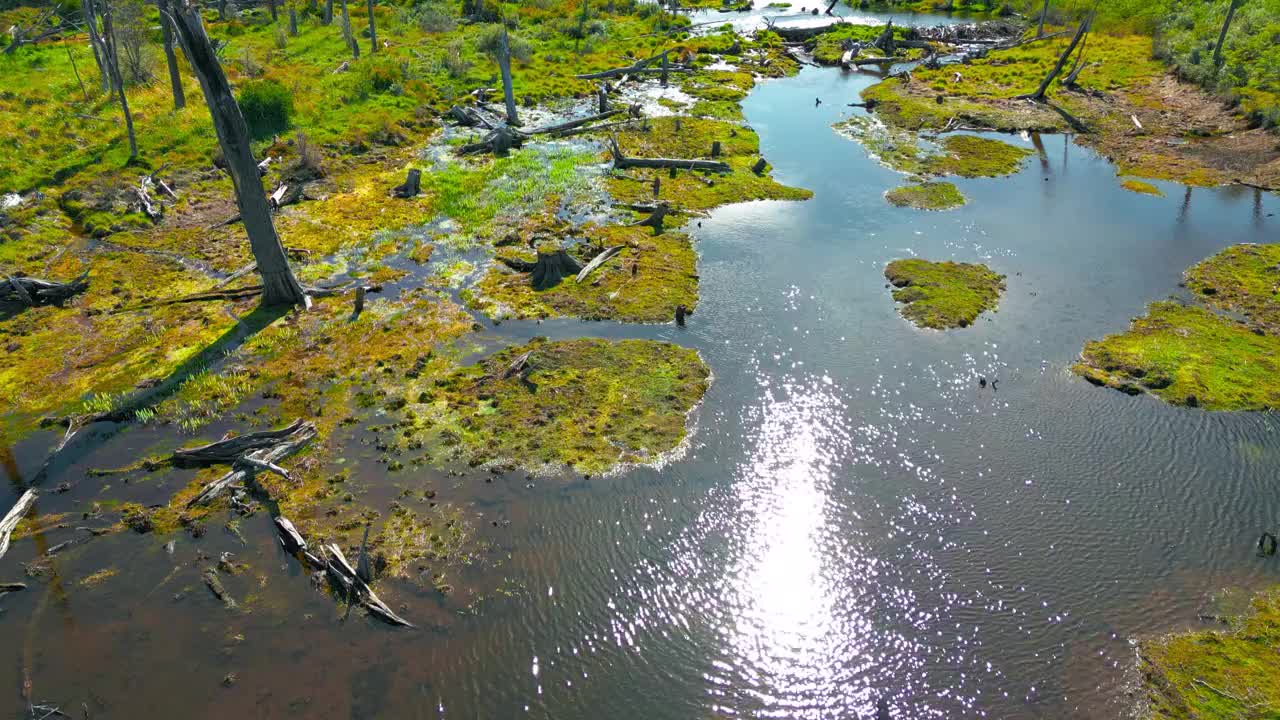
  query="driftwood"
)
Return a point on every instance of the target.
[
  {"x": 597, "y": 261},
  {"x": 357, "y": 590},
  {"x": 14, "y": 516},
  {"x": 290, "y": 538},
  {"x": 499, "y": 141},
  {"x": 286, "y": 194},
  {"x": 411, "y": 187},
  {"x": 639, "y": 67},
  {"x": 149, "y": 207},
  {"x": 468, "y": 117},
  {"x": 571, "y": 124},
  {"x": 655, "y": 219},
  {"x": 621, "y": 161},
  {"x": 253, "y": 456},
  {"x": 34, "y": 291},
  {"x": 228, "y": 450},
  {"x": 9, "y": 587}
]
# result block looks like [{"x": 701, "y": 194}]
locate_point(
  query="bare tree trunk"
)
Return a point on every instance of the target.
[
  {"x": 1044, "y": 12},
  {"x": 347, "y": 32},
  {"x": 272, "y": 5},
  {"x": 373, "y": 30},
  {"x": 1222, "y": 36},
  {"x": 293, "y": 22},
  {"x": 76, "y": 70},
  {"x": 504, "y": 65},
  {"x": 222, "y": 9},
  {"x": 113, "y": 66},
  {"x": 95, "y": 41},
  {"x": 171, "y": 58},
  {"x": 1038, "y": 95},
  {"x": 328, "y": 12},
  {"x": 279, "y": 286}
]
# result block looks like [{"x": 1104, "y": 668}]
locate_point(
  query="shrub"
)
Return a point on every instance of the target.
[{"x": 266, "y": 106}]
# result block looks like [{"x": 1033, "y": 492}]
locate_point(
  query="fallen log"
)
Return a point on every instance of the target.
[
  {"x": 660, "y": 212},
  {"x": 13, "y": 517},
  {"x": 12, "y": 587},
  {"x": 621, "y": 161},
  {"x": 637, "y": 68},
  {"x": 290, "y": 538},
  {"x": 34, "y": 291},
  {"x": 149, "y": 207},
  {"x": 358, "y": 590},
  {"x": 805, "y": 32},
  {"x": 244, "y": 466},
  {"x": 597, "y": 261},
  {"x": 554, "y": 129},
  {"x": 517, "y": 366},
  {"x": 859, "y": 62},
  {"x": 468, "y": 117},
  {"x": 498, "y": 142}
]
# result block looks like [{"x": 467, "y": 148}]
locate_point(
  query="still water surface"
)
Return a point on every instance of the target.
[{"x": 855, "y": 520}]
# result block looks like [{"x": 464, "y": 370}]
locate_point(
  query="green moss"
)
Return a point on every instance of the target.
[
  {"x": 1144, "y": 188},
  {"x": 943, "y": 295},
  {"x": 926, "y": 196},
  {"x": 1243, "y": 279},
  {"x": 1210, "y": 674},
  {"x": 665, "y": 275},
  {"x": 970, "y": 156},
  {"x": 1188, "y": 356},
  {"x": 586, "y": 404}
]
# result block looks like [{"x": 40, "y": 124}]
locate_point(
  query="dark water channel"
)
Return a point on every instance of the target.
[{"x": 855, "y": 518}]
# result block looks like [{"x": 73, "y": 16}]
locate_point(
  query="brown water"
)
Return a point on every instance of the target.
[{"x": 855, "y": 520}]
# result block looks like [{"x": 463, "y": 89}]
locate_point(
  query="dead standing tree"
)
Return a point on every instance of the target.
[
  {"x": 112, "y": 62},
  {"x": 503, "y": 56},
  {"x": 1038, "y": 95},
  {"x": 1222, "y": 36},
  {"x": 171, "y": 57},
  {"x": 373, "y": 30},
  {"x": 279, "y": 286},
  {"x": 347, "y": 34}
]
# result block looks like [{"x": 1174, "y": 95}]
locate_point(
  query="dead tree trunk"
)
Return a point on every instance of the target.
[
  {"x": 1038, "y": 95},
  {"x": 885, "y": 41},
  {"x": 504, "y": 66},
  {"x": 279, "y": 286},
  {"x": 95, "y": 42},
  {"x": 117, "y": 81},
  {"x": 34, "y": 291},
  {"x": 327, "y": 18},
  {"x": 621, "y": 161},
  {"x": 293, "y": 22},
  {"x": 171, "y": 58},
  {"x": 1222, "y": 36},
  {"x": 347, "y": 33},
  {"x": 1044, "y": 12},
  {"x": 13, "y": 517},
  {"x": 373, "y": 30}
]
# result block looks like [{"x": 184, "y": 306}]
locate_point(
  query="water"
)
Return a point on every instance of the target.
[{"x": 856, "y": 519}]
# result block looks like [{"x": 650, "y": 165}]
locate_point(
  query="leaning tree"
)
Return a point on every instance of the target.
[{"x": 279, "y": 286}]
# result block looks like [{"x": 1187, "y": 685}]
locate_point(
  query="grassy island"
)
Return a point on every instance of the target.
[{"x": 943, "y": 295}]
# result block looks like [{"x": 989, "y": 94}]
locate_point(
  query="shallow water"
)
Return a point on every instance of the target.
[{"x": 855, "y": 520}]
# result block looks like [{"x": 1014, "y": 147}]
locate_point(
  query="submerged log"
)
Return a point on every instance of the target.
[
  {"x": 13, "y": 517},
  {"x": 598, "y": 261},
  {"x": 34, "y": 291},
  {"x": 621, "y": 161},
  {"x": 214, "y": 584}
]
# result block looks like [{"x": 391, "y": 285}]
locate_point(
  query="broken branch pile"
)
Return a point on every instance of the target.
[{"x": 247, "y": 455}]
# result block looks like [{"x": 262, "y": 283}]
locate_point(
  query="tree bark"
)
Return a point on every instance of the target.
[
  {"x": 171, "y": 58},
  {"x": 279, "y": 286},
  {"x": 1044, "y": 12},
  {"x": 347, "y": 33},
  {"x": 504, "y": 65},
  {"x": 373, "y": 30},
  {"x": 113, "y": 65},
  {"x": 13, "y": 517},
  {"x": 95, "y": 41},
  {"x": 1222, "y": 36},
  {"x": 1038, "y": 95}
]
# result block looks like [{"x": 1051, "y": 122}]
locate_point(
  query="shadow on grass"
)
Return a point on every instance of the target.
[{"x": 86, "y": 436}]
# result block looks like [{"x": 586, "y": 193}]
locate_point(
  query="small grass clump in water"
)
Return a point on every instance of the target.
[
  {"x": 1227, "y": 673},
  {"x": 587, "y": 404},
  {"x": 1242, "y": 278},
  {"x": 970, "y": 156},
  {"x": 643, "y": 283},
  {"x": 926, "y": 196},
  {"x": 942, "y": 295},
  {"x": 1143, "y": 188},
  {"x": 1188, "y": 356}
]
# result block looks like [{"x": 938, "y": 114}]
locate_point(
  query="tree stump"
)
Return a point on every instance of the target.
[
  {"x": 411, "y": 186},
  {"x": 715, "y": 148},
  {"x": 552, "y": 266}
]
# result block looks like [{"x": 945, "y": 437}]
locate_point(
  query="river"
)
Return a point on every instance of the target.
[{"x": 856, "y": 519}]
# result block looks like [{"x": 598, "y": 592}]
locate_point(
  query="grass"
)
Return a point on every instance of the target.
[
  {"x": 1188, "y": 355},
  {"x": 586, "y": 404},
  {"x": 1217, "y": 674},
  {"x": 943, "y": 295},
  {"x": 926, "y": 196},
  {"x": 1243, "y": 279}
]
